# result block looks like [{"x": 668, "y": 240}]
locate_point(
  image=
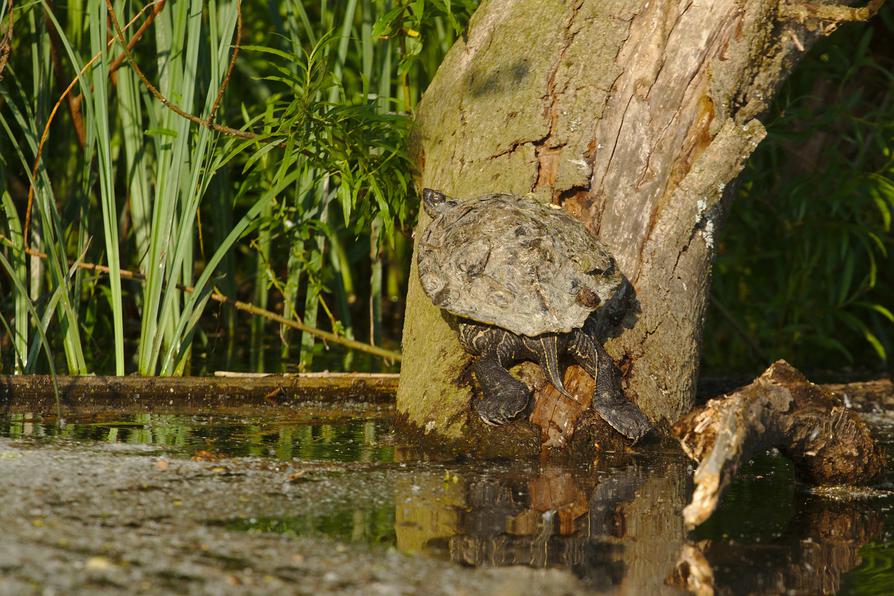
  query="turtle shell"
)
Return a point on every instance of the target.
[{"x": 516, "y": 263}]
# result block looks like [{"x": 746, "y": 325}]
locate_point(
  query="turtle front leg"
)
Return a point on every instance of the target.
[
  {"x": 608, "y": 400},
  {"x": 504, "y": 398}
]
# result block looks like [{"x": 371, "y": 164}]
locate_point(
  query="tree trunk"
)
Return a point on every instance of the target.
[{"x": 633, "y": 116}]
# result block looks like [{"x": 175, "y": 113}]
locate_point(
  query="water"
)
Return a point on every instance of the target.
[
  {"x": 615, "y": 523},
  {"x": 282, "y": 436}
]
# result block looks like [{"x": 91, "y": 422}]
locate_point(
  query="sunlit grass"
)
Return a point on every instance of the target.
[{"x": 307, "y": 214}]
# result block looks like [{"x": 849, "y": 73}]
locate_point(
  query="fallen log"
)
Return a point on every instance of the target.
[
  {"x": 181, "y": 394},
  {"x": 827, "y": 443}
]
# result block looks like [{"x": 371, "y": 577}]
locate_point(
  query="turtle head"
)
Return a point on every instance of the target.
[{"x": 435, "y": 202}]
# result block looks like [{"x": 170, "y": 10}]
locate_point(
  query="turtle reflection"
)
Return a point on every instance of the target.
[
  {"x": 615, "y": 527},
  {"x": 620, "y": 528},
  {"x": 551, "y": 521}
]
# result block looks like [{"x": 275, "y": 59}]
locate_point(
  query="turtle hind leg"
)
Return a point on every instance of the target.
[
  {"x": 504, "y": 398},
  {"x": 608, "y": 400}
]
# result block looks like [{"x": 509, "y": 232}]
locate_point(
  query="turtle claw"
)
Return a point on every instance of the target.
[
  {"x": 503, "y": 397},
  {"x": 488, "y": 421},
  {"x": 561, "y": 389},
  {"x": 624, "y": 416},
  {"x": 498, "y": 414},
  {"x": 546, "y": 348},
  {"x": 619, "y": 412},
  {"x": 502, "y": 408},
  {"x": 609, "y": 401}
]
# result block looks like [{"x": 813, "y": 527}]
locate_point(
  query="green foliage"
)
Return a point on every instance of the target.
[
  {"x": 804, "y": 270},
  {"x": 341, "y": 233},
  {"x": 307, "y": 213},
  {"x": 412, "y": 23},
  {"x": 319, "y": 170}
]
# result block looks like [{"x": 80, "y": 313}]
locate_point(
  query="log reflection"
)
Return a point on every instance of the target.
[
  {"x": 620, "y": 528},
  {"x": 823, "y": 542}
]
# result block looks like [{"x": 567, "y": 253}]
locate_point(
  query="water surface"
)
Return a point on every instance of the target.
[{"x": 615, "y": 522}]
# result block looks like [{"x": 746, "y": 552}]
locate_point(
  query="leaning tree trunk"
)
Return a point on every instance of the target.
[{"x": 634, "y": 116}]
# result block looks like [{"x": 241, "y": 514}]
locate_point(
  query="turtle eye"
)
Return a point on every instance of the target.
[{"x": 589, "y": 298}]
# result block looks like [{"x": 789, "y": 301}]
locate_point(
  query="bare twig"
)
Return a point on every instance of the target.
[
  {"x": 226, "y": 80},
  {"x": 325, "y": 335},
  {"x": 206, "y": 122},
  {"x": 243, "y": 306},
  {"x": 117, "y": 62}
]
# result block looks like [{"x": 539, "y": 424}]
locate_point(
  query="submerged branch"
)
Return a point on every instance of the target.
[{"x": 205, "y": 122}]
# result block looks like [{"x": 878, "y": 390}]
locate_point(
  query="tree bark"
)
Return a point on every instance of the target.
[{"x": 633, "y": 116}]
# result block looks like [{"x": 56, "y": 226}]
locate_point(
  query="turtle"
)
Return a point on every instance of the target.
[{"x": 523, "y": 280}]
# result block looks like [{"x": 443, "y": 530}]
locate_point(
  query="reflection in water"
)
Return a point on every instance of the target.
[
  {"x": 825, "y": 540},
  {"x": 284, "y": 436},
  {"x": 620, "y": 528},
  {"x": 617, "y": 525},
  {"x": 613, "y": 527}
]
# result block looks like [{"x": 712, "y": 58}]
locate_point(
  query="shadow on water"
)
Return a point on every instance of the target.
[{"x": 615, "y": 523}]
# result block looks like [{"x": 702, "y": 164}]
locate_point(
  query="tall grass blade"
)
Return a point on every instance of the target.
[
  {"x": 98, "y": 119},
  {"x": 19, "y": 268}
]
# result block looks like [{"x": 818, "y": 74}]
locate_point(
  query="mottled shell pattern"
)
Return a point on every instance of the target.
[{"x": 513, "y": 262}]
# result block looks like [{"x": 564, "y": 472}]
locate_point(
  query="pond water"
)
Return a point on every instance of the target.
[{"x": 615, "y": 523}]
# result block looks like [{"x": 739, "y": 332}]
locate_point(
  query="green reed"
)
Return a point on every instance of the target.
[{"x": 123, "y": 181}]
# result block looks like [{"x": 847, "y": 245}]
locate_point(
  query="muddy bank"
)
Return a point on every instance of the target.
[{"x": 111, "y": 518}]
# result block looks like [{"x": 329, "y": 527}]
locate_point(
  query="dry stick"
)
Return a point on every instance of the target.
[
  {"x": 119, "y": 33},
  {"x": 206, "y": 122},
  {"x": 226, "y": 80},
  {"x": 117, "y": 62},
  {"x": 46, "y": 129},
  {"x": 244, "y": 307}
]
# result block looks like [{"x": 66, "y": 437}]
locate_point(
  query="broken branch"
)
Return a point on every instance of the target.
[
  {"x": 831, "y": 12},
  {"x": 827, "y": 443}
]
